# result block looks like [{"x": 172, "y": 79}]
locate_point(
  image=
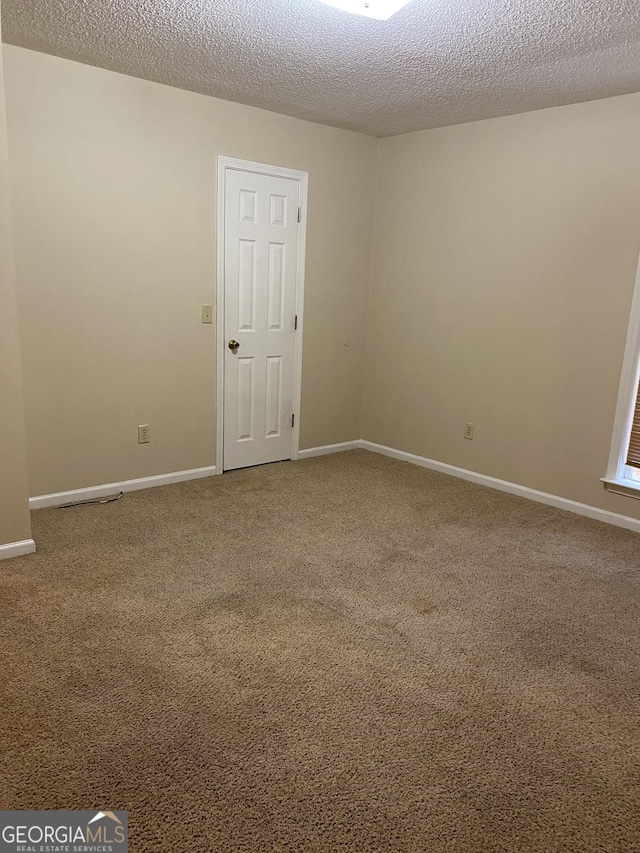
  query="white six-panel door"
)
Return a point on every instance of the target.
[{"x": 260, "y": 269}]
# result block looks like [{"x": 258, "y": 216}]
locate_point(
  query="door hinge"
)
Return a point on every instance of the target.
[
  {"x": 295, "y": 322},
  {"x": 299, "y": 214},
  {"x": 293, "y": 419}
]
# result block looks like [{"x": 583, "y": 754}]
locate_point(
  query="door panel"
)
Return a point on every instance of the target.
[
  {"x": 273, "y": 409},
  {"x": 245, "y": 395},
  {"x": 260, "y": 268}
]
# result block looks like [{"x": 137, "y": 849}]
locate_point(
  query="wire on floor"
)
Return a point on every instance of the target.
[{"x": 108, "y": 500}]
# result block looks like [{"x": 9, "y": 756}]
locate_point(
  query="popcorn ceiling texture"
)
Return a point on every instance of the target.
[{"x": 435, "y": 63}]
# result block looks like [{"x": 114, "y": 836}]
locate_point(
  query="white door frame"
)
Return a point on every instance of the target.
[{"x": 224, "y": 165}]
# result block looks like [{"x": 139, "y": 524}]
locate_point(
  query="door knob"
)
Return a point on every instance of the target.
[{"x": 234, "y": 346}]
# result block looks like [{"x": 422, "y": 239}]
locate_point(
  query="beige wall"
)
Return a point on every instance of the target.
[
  {"x": 503, "y": 269},
  {"x": 14, "y": 507},
  {"x": 114, "y": 188},
  {"x": 504, "y": 264}
]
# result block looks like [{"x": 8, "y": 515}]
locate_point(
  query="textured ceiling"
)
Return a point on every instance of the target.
[{"x": 436, "y": 62}]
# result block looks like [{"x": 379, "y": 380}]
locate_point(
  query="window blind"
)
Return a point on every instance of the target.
[{"x": 633, "y": 453}]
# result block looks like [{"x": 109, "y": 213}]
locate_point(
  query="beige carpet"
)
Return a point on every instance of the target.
[{"x": 342, "y": 654}]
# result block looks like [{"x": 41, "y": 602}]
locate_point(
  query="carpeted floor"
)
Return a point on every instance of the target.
[{"x": 343, "y": 654}]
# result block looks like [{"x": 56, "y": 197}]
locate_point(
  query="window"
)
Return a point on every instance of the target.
[{"x": 623, "y": 473}]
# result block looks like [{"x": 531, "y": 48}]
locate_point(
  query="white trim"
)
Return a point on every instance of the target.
[
  {"x": 628, "y": 488},
  {"x": 14, "y": 549},
  {"x": 329, "y": 448},
  {"x": 626, "y": 392},
  {"x": 224, "y": 164},
  {"x": 17, "y": 549},
  {"x": 303, "y": 183},
  {"x": 483, "y": 480},
  {"x": 94, "y": 492},
  {"x": 512, "y": 488},
  {"x": 220, "y": 317}
]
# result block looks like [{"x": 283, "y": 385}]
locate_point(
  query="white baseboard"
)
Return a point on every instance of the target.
[
  {"x": 325, "y": 449},
  {"x": 505, "y": 486},
  {"x": 483, "y": 480},
  {"x": 14, "y": 549},
  {"x": 93, "y": 492},
  {"x": 17, "y": 549}
]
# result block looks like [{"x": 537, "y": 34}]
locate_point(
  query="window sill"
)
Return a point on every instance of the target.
[{"x": 629, "y": 488}]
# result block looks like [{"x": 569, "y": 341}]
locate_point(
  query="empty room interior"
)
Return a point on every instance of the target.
[{"x": 320, "y": 425}]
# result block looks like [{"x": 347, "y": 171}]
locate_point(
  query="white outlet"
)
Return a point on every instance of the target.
[
  {"x": 144, "y": 434},
  {"x": 207, "y": 314},
  {"x": 468, "y": 431}
]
